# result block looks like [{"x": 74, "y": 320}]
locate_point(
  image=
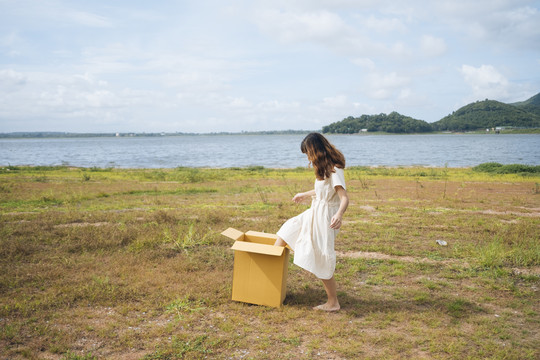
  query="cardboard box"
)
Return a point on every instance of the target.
[{"x": 260, "y": 268}]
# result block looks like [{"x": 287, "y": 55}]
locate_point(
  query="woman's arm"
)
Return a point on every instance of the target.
[
  {"x": 335, "y": 223},
  {"x": 302, "y": 196}
]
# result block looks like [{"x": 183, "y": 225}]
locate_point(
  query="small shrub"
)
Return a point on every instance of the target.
[
  {"x": 185, "y": 240},
  {"x": 519, "y": 168},
  {"x": 489, "y": 167},
  {"x": 496, "y": 168},
  {"x": 194, "y": 175},
  {"x": 185, "y": 305},
  {"x": 255, "y": 168},
  {"x": 492, "y": 254},
  {"x": 8, "y": 169},
  {"x": 523, "y": 251}
]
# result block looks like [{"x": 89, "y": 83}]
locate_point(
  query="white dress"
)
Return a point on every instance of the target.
[{"x": 309, "y": 234}]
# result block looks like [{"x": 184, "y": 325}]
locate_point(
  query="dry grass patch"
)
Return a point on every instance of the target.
[{"x": 129, "y": 264}]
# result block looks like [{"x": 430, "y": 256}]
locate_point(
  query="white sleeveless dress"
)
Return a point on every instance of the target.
[{"x": 309, "y": 234}]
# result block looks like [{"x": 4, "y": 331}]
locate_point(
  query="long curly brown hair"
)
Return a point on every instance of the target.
[{"x": 322, "y": 155}]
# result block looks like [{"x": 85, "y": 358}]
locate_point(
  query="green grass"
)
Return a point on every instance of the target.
[
  {"x": 496, "y": 168},
  {"x": 130, "y": 263}
]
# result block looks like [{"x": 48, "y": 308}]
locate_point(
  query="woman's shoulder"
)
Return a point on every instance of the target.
[{"x": 338, "y": 177}]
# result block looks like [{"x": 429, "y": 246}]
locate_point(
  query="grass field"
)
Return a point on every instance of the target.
[{"x": 130, "y": 264}]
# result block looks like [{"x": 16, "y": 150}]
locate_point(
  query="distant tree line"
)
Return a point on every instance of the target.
[
  {"x": 531, "y": 105},
  {"x": 52, "y": 134},
  {"x": 391, "y": 123},
  {"x": 486, "y": 115},
  {"x": 479, "y": 115}
]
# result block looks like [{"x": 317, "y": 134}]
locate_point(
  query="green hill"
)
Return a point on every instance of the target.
[
  {"x": 531, "y": 105},
  {"x": 487, "y": 114},
  {"x": 391, "y": 123},
  {"x": 478, "y": 115}
]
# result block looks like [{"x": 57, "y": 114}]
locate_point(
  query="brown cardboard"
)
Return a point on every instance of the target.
[{"x": 260, "y": 268}]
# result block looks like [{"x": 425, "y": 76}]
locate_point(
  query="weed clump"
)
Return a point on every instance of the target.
[{"x": 497, "y": 168}]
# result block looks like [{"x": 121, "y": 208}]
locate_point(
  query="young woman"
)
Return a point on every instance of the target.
[{"x": 311, "y": 234}]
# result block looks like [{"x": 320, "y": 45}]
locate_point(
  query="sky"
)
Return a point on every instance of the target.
[{"x": 253, "y": 65}]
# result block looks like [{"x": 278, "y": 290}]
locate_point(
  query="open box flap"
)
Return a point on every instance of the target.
[
  {"x": 233, "y": 234},
  {"x": 260, "y": 235},
  {"x": 258, "y": 248}
]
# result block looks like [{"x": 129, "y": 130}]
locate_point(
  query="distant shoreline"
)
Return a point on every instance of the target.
[
  {"x": 55, "y": 134},
  {"x": 67, "y": 135}
]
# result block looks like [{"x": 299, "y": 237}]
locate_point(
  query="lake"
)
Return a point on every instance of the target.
[{"x": 273, "y": 151}]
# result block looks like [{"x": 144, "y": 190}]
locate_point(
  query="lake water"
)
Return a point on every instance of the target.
[{"x": 273, "y": 151}]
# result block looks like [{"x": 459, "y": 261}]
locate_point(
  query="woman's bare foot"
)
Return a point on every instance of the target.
[{"x": 328, "y": 307}]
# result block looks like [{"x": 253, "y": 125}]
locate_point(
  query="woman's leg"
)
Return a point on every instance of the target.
[{"x": 331, "y": 291}]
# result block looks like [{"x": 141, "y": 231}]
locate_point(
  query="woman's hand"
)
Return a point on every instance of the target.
[
  {"x": 335, "y": 222},
  {"x": 298, "y": 198}
]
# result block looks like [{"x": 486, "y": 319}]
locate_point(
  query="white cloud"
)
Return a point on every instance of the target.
[
  {"x": 310, "y": 5},
  {"x": 364, "y": 63},
  {"x": 87, "y": 19},
  {"x": 321, "y": 26},
  {"x": 332, "y": 31},
  {"x": 47, "y": 95},
  {"x": 54, "y": 14},
  {"x": 11, "y": 80},
  {"x": 384, "y": 86},
  {"x": 239, "y": 102},
  {"x": 11, "y": 44},
  {"x": 113, "y": 58},
  {"x": 405, "y": 94},
  {"x": 433, "y": 46},
  {"x": 504, "y": 23},
  {"x": 10, "y": 39},
  {"x": 486, "y": 81},
  {"x": 335, "y": 101},
  {"x": 382, "y": 25},
  {"x": 194, "y": 81},
  {"x": 278, "y": 106}
]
